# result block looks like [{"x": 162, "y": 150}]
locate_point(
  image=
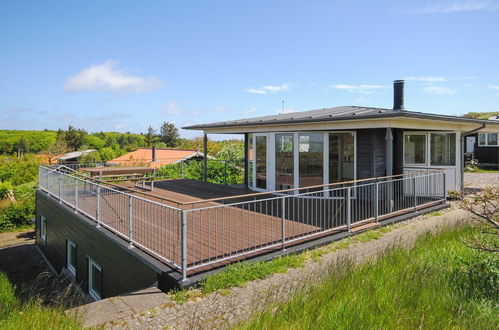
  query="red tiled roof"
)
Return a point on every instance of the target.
[{"x": 143, "y": 157}]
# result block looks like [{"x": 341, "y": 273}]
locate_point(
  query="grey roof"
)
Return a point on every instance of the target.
[
  {"x": 76, "y": 154},
  {"x": 334, "y": 114}
]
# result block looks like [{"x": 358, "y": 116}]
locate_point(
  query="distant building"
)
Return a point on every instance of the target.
[
  {"x": 156, "y": 158},
  {"x": 71, "y": 157}
]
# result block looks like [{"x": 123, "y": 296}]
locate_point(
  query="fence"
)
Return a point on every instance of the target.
[{"x": 196, "y": 235}]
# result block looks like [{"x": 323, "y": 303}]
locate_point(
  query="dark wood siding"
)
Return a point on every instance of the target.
[
  {"x": 122, "y": 270},
  {"x": 488, "y": 157},
  {"x": 371, "y": 153}
]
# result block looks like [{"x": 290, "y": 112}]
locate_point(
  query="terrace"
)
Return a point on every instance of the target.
[{"x": 194, "y": 226}]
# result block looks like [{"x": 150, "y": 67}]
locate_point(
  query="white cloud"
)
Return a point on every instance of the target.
[
  {"x": 455, "y": 7},
  {"x": 496, "y": 87},
  {"x": 172, "y": 108},
  {"x": 438, "y": 90},
  {"x": 362, "y": 89},
  {"x": 249, "y": 111},
  {"x": 269, "y": 89},
  {"x": 285, "y": 111},
  {"x": 107, "y": 77}
]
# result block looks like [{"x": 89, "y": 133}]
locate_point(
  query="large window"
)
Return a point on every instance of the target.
[
  {"x": 443, "y": 149},
  {"x": 251, "y": 155},
  {"x": 94, "y": 280},
  {"x": 71, "y": 257},
  {"x": 341, "y": 157},
  {"x": 43, "y": 228},
  {"x": 415, "y": 149},
  {"x": 284, "y": 161},
  {"x": 261, "y": 161},
  {"x": 311, "y": 159}
]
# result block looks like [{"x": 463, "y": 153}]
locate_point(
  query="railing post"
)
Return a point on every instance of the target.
[
  {"x": 97, "y": 211},
  {"x": 225, "y": 172},
  {"x": 349, "y": 209},
  {"x": 76, "y": 195},
  {"x": 376, "y": 201},
  {"x": 445, "y": 188},
  {"x": 283, "y": 221},
  {"x": 414, "y": 193},
  {"x": 60, "y": 187},
  {"x": 182, "y": 168},
  {"x": 49, "y": 181},
  {"x": 184, "y": 245},
  {"x": 130, "y": 223}
]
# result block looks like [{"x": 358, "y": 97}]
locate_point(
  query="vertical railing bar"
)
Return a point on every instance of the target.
[
  {"x": 283, "y": 219},
  {"x": 349, "y": 210},
  {"x": 184, "y": 246},
  {"x": 130, "y": 223}
]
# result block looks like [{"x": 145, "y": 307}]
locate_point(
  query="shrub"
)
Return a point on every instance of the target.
[
  {"x": 16, "y": 215},
  {"x": 5, "y": 187},
  {"x": 25, "y": 191}
]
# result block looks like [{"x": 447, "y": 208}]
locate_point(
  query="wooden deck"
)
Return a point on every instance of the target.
[{"x": 220, "y": 232}]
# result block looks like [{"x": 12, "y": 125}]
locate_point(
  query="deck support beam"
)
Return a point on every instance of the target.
[{"x": 205, "y": 156}]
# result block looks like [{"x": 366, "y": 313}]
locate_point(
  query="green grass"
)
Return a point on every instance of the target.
[
  {"x": 440, "y": 283},
  {"x": 482, "y": 170},
  {"x": 29, "y": 315}
]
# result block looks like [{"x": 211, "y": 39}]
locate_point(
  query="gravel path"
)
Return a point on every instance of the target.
[
  {"x": 480, "y": 180},
  {"x": 221, "y": 311}
]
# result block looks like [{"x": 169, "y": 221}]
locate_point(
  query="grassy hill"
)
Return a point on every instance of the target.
[{"x": 28, "y": 141}]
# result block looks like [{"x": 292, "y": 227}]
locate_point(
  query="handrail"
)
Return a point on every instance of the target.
[
  {"x": 179, "y": 203},
  {"x": 309, "y": 187}
]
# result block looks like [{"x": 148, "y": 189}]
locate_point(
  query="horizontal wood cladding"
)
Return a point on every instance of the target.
[{"x": 122, "y": 270}]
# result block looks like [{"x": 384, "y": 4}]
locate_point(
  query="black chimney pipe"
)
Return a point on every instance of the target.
[
  {"x": 398, "y": 95},
  {"x": 154, "y": 153}
]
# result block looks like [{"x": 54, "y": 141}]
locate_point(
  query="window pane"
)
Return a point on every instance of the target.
[
  {"x": 311, "y": 151},
  {"x": 341, "y": 157},
  {"x": 284, "y": 168},
  {"x": 72, "y": 255},
  {"x": 482, "y": 139},
  {"x": 415, "y": 149},
  {"x": 261, "y": 162},
  {"x": 443, "y": 149},
  {"x": 96, "y": 280},
  {"x": 250, "y": 159},
  {"x": 492, "y": 139}
]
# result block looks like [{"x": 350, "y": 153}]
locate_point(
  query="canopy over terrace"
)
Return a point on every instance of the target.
[{"x": 349, "y": 142}]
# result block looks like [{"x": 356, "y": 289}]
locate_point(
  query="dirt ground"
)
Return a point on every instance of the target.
[{"x": 27, "y": 270}]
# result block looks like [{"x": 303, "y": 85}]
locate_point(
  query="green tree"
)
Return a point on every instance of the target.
[
  {"x": 149, "y": 137},
  {"x": 232, "y": 152},
  {"x": 169, "y": 134},
  {"x": 74, "y": 138}
]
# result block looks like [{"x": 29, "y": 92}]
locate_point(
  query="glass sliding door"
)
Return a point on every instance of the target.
[
  {"x": 311, "y": 159},
  {"x": 284, "y": 161},
  {"x": 261, "y": 161},
  {"x": 341, "y": 157}
]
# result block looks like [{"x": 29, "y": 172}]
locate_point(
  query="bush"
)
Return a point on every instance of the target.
[
  {"x": 479, "y": 276},
  {"x": 16, "y": 215},
  {"x": 5, "y": 187},
  {"x": 25, "y": 191}
]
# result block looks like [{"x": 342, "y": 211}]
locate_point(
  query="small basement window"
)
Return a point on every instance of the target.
[
  {"x": 71, "y": 257},
  {"x": 43, "y": 228},
  {"x": 415, "y": 149},
  {"x": 94, "y": 280}
]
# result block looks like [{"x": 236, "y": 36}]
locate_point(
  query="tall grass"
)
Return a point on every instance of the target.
[
  {"x": 30, "y": 314},
  {"x": 440, "y": 283}
]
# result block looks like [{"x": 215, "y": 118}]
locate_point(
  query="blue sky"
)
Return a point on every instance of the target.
[{"x": 125, "y": 65}]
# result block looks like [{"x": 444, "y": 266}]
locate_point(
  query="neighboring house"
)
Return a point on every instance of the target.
[
  {"x": 337, "y": 171},
  {"x": 155, "y": 158},
  {"x": 484, "y": 146},
  {"x": 71, "y": 157},
  {"x": 351, "y": 142}
]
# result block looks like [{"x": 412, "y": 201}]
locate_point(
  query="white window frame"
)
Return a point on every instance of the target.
[
  {"x": 428, "y": 149},
  {"x": 91, "y": 292},
  {"x": 71, "y": 268},
  {"x": 43, "y": 228},
  {"x": 296, "y": 168},
  {"x": 487, "y": 139}
]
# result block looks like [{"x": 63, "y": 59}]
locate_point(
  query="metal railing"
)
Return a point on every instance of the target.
[{"x": 200, "y": 234}]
